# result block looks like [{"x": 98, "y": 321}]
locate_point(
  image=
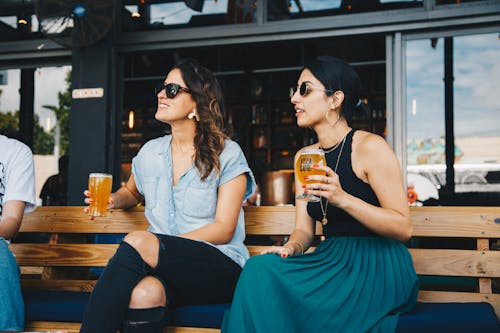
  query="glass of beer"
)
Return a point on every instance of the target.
[
  {"x": 100, "y": 190},
  {"x": 303, "y": 168}
]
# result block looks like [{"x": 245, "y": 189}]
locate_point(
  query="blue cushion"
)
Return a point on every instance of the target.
[
  {"x": 426, "y": 317},
  {"x": 449, "y": 317},
  {"x": 69, "y": 306},
  {"x": 55, "y": 305},
  {"x": 200, "y": 315}
]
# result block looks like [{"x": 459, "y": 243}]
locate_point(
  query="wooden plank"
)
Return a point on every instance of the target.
[
  {"x": 58, "y": 285},
  {"x": 72, "y": 219},
  {"x": 473, "y": 222},
  {"x": 68, "y": 327},
  {"x": 462, "y": 297},
  {"x": 456, "y": 262},
  {"x": 269, "y": 220},
  {"x": 190, "y": 330},
  {"x": 84, "y": 255},
  {"x": 51, "y": 326}
]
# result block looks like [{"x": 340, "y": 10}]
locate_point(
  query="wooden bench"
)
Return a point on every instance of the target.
[{"x": 62, "y": 264}]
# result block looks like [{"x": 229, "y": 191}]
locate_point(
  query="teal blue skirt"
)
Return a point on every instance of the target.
[{"x": 348, "y": 284}]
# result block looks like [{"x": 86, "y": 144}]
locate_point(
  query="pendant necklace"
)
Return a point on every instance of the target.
[{"x": 324, "y": 221}]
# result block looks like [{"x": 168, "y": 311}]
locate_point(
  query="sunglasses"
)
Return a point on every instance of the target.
[
  {"x": 305, "y": 89},
  {"x": 171, "y": 89}
]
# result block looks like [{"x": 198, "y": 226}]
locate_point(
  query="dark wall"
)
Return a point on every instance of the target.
[{"x": 91, "y": 121}]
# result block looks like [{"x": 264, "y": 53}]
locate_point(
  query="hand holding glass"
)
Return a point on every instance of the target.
[
  {"x": 303, "y": 168},
  {"x": 100, "y": 190}
]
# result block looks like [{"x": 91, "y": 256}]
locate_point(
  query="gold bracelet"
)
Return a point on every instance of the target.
[{"x": 298, "y": 243}]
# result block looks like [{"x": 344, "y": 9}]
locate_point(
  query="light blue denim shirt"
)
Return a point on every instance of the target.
[{"x": 191, "y": 204}]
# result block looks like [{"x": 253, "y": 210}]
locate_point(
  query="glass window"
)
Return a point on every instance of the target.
[
  {"x": 292, "y": 9},
  {"x": 51, "y": 113},
  {"x": 10, "y": 99},
  {"x": 458, "y": 2},
  {"x": 475, "y": 112},
  {"x": 52, "y": 108},
  {"x": 170, "y": 14}
]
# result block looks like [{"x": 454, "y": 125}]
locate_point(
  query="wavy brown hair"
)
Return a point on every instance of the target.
[{"x": 211, "y": 130}]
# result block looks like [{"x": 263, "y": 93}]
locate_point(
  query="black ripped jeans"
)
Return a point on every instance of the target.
[{"x": 192, "y": 273}]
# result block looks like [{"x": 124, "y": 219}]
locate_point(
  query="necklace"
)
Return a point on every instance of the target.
[
  {"x": 324, "y": 221},
  {"x": 329, "y": 150}
]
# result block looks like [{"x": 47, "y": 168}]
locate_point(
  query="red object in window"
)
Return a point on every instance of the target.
[{"x": 412, "y": 194}]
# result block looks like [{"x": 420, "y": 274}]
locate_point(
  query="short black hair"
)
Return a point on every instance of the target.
[{"x": 335, "y": 74}]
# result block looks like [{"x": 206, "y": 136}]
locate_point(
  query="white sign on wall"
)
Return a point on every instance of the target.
[{"x": 87, "y": 93}]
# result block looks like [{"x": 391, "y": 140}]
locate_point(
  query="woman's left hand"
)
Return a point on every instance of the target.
[{"x": 327, "y": 186}]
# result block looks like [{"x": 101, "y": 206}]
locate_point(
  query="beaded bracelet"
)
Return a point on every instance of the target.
[{"x": 298, "y": 243}]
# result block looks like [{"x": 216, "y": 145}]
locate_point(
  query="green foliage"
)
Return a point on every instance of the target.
[
  {"x": 43, "y": 142},
  {"x": 9, "y": 124},
  {"x": 62, "y": 112}
]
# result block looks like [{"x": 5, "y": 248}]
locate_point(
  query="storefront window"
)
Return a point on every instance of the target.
[
  {"x": 186, "y": 13},
  {"x": 51, "y": 107},
  {"x": 292, "y": 9},
  {"x": 475, "y": 111},
  {"x": 457, "y": 2}
]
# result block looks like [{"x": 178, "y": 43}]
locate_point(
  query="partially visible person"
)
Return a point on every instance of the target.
[
  {"x": 55, "y": 189},
  {"x": 361, "y": 277},
  {"x": 17, "y": 196},
  {"x": 194, "y": 182}
]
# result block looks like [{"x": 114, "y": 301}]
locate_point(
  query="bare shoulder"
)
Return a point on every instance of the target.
[{"x": 367, "y": 143}]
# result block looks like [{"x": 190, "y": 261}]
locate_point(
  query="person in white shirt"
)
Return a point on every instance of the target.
[{"x": 17, "y": 196}]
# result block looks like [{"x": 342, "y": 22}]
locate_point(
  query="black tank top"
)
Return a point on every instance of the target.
[{"x": 341, "y": 223}]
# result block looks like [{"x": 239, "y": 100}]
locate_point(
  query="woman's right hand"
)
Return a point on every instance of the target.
[
  {"x": 88, "y": 200},
  {"x": 282, "y": 251}
]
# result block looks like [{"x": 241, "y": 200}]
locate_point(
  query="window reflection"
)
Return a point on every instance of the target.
[
  {"x": 291, "y": 9},
  {"x": 475, "y": 111},
  {"x": 188, "y": 13}
]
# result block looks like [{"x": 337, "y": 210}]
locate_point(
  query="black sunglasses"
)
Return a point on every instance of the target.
[
  {"x": 171, "y": 89},
  {"x": 305, "y": 89}
]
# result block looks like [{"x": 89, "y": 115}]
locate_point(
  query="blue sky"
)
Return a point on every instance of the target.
[{"x": 476, "y": 84}]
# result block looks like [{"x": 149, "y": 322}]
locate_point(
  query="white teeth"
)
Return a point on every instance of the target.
[{"x": 299, "y": 110}]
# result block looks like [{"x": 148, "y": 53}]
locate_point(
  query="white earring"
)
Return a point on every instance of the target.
[{"x": 194, "y": 114}]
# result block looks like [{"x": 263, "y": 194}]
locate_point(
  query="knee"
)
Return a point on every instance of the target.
[
  {"x": 144, "y": 242},
  {"x": 148, "y": 293}
]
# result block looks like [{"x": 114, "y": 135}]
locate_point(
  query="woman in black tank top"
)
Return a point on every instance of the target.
[{"x": 361, "y": 277}]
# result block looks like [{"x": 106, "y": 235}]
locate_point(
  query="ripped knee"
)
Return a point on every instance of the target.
[{"x": 148, "y": 293}]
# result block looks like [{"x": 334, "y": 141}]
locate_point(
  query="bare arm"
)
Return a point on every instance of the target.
[
  {"x": 127, "y": 196},
  {"x": 375, "y": 162},
  {"x": 303, "y": 232},
  {"x": 228, "y": 208},
  {"x": 12, "y": 215}
]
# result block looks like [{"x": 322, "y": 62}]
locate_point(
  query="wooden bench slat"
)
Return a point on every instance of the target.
[
  {"x": 456, "y": 262},
  {"x": 456, "y": 222},
  {"x": 69, "y": 327},
  {"x": 59, "y": 285},
  {"x": 94, "y": 255}
]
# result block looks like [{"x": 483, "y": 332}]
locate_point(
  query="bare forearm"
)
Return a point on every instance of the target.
[
  {"x": 215, "y": 233},
  {"x": 383, "y": 221},
  {"x": 124, "y": 198},
  {"x": 9, "y": 227}
]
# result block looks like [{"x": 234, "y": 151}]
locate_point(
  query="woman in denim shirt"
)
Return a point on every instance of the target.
[{"x": 194, "y": 182}]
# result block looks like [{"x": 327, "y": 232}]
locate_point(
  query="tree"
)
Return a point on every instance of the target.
[
  {"x": 62, "y": 112},
  {"x": 43, "y": 142}
]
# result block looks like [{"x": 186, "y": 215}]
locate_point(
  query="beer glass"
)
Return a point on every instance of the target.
[
  {"x": 100, "y": 190},
  {"x": 303, "y": 168}
]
